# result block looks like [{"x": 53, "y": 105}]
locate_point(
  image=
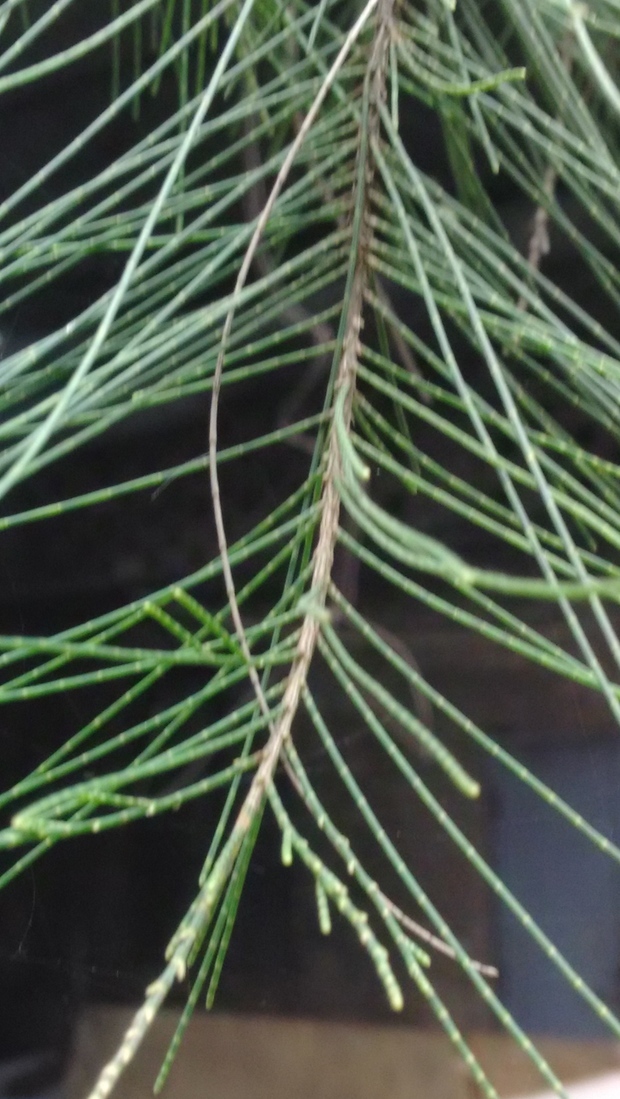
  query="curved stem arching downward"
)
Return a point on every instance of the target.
[{"x": 183, "y": 946}]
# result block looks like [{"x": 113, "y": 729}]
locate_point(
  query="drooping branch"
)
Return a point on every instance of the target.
[
  {"x": 182, "y": 948},
  {"x": 374, "y": 95},
  {"x": 323, "y": 558}
]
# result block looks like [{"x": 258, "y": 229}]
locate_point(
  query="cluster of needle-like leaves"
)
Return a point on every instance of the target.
[{"x": 274, "y": 226}]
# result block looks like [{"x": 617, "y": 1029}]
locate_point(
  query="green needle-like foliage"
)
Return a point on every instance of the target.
[{"x": 274, "y": 229}]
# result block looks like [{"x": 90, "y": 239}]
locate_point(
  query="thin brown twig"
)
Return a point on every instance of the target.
[
  {"x": 539, "y": 244},
  {"x": 427, "y": 937},
  {"x": 323, "y": 554}
]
